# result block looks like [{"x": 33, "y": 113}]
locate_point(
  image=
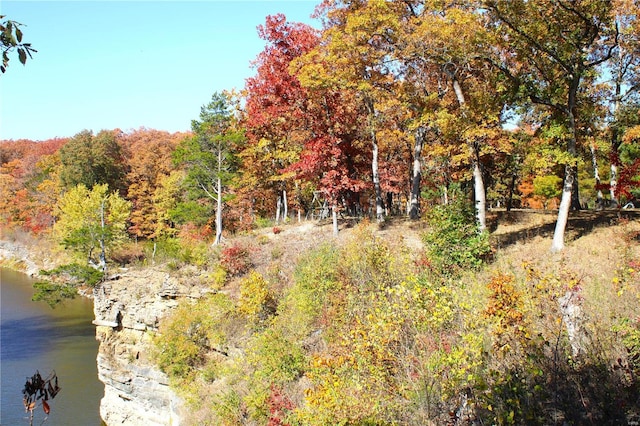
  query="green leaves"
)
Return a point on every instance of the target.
[
  {"x": 88, "y": 219},
  {"x": 11, "y": 39}
]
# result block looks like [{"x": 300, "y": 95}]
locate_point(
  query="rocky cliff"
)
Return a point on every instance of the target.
[{"x": 128, "y": 309}]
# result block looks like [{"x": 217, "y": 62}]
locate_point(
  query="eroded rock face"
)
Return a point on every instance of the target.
[{"x": 127, "y": 311}]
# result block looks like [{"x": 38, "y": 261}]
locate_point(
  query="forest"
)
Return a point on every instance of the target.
[{"x": 440, "y": 112}]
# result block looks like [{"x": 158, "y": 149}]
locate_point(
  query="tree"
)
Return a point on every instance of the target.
[
  {"x": 624, "y": 83},
  {"x": 277, "y": 116},
  {"x": 354, "y": 58},
  {"x": 547, "y": 187},
  {"x": 165, "y": 201},
  {"x": 30, "y": 184},
  {"x": 149, "y": 162},
  {"x": 90, "y": 219},
  {"x": 547, "y": 50},
  {"x": 210, "y": 155},
  {"x": 10, "y": 40},
  {"x": 90, "y": 160},
  {"x": 333, "y": 158},
  {"x": 452, "y": 87}
]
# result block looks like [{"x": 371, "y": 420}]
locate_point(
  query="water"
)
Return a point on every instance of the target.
[{"x": 35, "y": 337}]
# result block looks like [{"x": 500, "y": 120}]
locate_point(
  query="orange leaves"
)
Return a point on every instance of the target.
[
  {"x": 505, "y": 307},
  {"x": 505, "y": 301}
]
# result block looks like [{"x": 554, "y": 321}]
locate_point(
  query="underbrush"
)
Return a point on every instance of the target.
[{"x": 367, "y": 335}]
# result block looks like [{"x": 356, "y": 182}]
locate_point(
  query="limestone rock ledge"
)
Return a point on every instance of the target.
[{"x": 127, "y": 311}]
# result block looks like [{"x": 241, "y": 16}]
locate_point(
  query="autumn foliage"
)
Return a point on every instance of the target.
[{"x": 458, "y": 106}]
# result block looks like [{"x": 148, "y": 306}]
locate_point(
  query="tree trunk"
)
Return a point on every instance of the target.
[
  {"x": 613, "y": 185},
  {"x": 103, "y": 254},
  {"x": 285, "y": 214},
  {"x": 414, "y": 209},
  {"x": 218, "y": 213},
  {"x": 478, "y": 183},
  {"x": 218, "y": 198},
  {"x": 278, "y": 208},
  {"x": 615, "y": 142},
  {"x": 563, "y": 212},
  {"x": 575, "y": 193},
  {"x": 334, "y": 214},
  {"x": 569, "y": 178},
  {"x": 376, "y": 179},
  {"x": 375, "y": 173},
  {"x": 596, "y": 175},
  {"x": 512, "y": 187},
  {"x": 479, "y": 192}
]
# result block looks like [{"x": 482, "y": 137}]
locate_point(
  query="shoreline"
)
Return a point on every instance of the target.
[{"x": 19, "y": 258}]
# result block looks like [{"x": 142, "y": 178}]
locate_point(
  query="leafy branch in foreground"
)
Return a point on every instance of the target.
[
  {"x": 64, "y": 281},
  {"x": 11, "y": 39},
  {"x": 38, "y": 389}
]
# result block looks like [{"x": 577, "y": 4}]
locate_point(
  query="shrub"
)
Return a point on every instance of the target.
[
  {"x": 256, "y": 301},
  {"x": 273, "y": 360},
  {"x": 131, "y": 253},
  {"x": 235, "y": 259},
  {"x": 452, "y": 240},
  {"x": 194, "y": 253},
  {"x": 219, "y": 277},
  {"x": 263, "y": 222},
  {"x": 191, "y": 333}
]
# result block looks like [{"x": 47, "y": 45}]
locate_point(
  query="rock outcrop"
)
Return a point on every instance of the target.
[
  {"x": 128, "y": 309},
  {"x": 18, "y": 253}
]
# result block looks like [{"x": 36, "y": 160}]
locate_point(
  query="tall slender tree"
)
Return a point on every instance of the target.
[{"x": 210, "y": 154}]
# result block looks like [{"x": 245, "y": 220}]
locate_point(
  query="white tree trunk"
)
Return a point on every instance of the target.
[
  {"x": 480, "y": 196},
  {"x": 563, "y": 212},
  {"x": 103, "y": 252},
  {"x": 375, "y": 173},
  {"x": 478, "y": 183},
  {"x": 376, "y": 180},
  {"x": 285, "y": 215},
  {"x": 278, "y": 207},
  {"x": 596, "y": 176},
  {"x": 613, "y": 185},
  {"x": 414, "y": 209},
  {"x": 615, "y": 143},
  {"x": 334, "y": 214},
  {"x": 218, "y": 213}
]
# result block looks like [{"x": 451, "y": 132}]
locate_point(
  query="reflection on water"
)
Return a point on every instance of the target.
[{"x": 35, "y": 337}]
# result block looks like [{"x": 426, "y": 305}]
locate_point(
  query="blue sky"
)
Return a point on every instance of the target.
[{"x": 128, "y": 64}]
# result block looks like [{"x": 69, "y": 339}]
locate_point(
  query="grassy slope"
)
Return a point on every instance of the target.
[{"x": 597, "y": 267}]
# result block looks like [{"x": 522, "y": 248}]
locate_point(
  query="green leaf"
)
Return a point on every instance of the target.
[
  {"x": 22, "y": 55},
  {"x": 18, "y": 35}
]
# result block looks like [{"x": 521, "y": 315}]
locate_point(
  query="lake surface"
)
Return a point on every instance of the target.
[{"x": 35, "y": 337}]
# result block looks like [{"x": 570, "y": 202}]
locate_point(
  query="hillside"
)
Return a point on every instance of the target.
[
  {"x": 307, "y": 328},
  {"x": 355, "y": 329}
]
